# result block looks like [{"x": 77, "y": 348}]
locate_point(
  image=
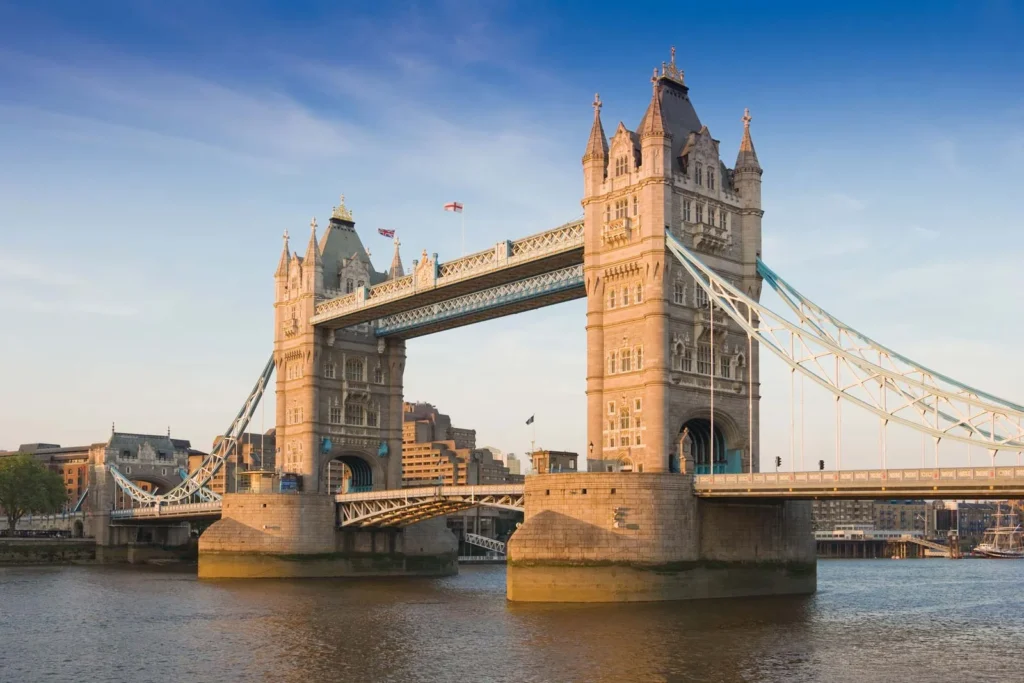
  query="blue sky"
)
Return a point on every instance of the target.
[{"x": 151, "y": 155}]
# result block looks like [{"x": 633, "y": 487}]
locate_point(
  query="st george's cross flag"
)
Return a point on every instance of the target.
[
  {"x": 453, "y": 206},
  {"x": 386, "y": 233}
]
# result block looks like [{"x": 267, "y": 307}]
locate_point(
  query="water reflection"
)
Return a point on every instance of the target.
[{"x": 870, "y": 621}]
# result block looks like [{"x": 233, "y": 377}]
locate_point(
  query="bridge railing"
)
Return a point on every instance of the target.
[
  {"x": 438, "y": 491},
  {"x": 166, "y": 510},
  {"x": 865, "y": 476}
]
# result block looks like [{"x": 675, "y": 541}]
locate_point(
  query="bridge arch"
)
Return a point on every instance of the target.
[
  {"x": 359, "y": 472},
  {"x": 694, "y": 444}
]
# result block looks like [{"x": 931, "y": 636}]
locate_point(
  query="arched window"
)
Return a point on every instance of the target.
[
  {"x": 677, "y": 356},
  {"x": 611, "y": 298},
  {"x": 359, "y": 284},
  {"x": 348, "y": 286},
  {"x": 371, "y": 417},
  {"x": 678, "y": 293},
  {"x": 621, "y": 166},
  {"x": 640, "y": 293},
  {"x": 627, "y": 360},
  {"x": 624, "y": 418},
  {"x": 354, "y": 414},
  {"x": 688, "y": 360},
  {"x": 354, "y": 370},
  {"x": 698, "y": 172},
  {"x": 700, "y": 297},
  {"x": 625, "y": 296},
  {"x": 378, "y": 375},
  {"x": 711, "y": 179}
]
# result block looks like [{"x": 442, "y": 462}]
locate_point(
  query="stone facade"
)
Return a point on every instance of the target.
[
  {"x": 339, "y": 391},
  {"x": 650, "y": 349},
  {"x": 294, "y": 535},
  {"x": 622, "y": 537}
]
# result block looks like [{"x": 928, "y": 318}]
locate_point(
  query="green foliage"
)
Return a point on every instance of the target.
[{"x": 28, "y": 487}]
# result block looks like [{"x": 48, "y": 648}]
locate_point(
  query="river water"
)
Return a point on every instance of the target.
[{"x": 871, "y": 620}]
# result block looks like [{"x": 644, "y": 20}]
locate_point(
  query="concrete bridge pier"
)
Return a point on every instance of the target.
[
  {"x": 295, "y": 535},
  {"x": 628, "y": 537}
]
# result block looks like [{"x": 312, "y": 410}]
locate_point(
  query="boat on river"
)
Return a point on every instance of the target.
[{"x": 1003, "y": 540}]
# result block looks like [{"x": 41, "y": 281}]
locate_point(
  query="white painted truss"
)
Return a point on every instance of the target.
[
  {"x": 401, "y": 507},
  {"x": 503, "y": 255},
  {"x": 859, "y": 371},
  {"x": 194, "y": 487},
  {"x": 479, "y": 541},
  {"x": 502, "y": 295}
]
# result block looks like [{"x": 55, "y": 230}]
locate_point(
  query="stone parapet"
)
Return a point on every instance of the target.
[{"x": 622, "y": 537}]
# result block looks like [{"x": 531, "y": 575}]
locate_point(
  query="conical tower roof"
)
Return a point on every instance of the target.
[
  {"x": 747, "y": 157},
  {"x": 282, "y": 265},
  {"x": 313, "y": 250},
  {"x": 597, "y": 145},
  {"x": 654, "y": 119},
  {"x": 396, "y": 263}
]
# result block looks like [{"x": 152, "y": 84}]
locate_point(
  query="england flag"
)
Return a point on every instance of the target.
[{"x": 453, "y": 206}]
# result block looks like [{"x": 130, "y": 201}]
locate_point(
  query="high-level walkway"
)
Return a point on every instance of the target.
[{"x": 528, "y": 273}]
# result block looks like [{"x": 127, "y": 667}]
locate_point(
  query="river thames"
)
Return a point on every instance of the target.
[{"x": 871, "y": 620}]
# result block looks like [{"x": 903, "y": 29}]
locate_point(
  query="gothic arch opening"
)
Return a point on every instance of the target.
[
  {"x": 699, "y": 448},
  {"x": 348, "y": 474}
]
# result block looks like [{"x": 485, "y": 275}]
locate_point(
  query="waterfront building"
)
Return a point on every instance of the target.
[
  {"x": 254, "y": 452},
  {"x": 549, "y": 462},
  {"x": 889, "y": 515}
]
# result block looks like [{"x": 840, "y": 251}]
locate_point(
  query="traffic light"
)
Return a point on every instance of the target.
[
  {"x": 778, "y": 461},
  {"x": 821, "y": 464}
]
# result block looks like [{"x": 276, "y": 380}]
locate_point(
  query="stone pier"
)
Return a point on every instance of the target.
[
  {"x": 629, "y": 537},
  {"x": 294, "y": 535}
]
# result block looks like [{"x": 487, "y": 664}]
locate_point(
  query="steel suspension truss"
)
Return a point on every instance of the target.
[
  {"x": 194, "y": 487},
  {"x": 860, "y": 371},
  {"x": 402, "y": 507}
]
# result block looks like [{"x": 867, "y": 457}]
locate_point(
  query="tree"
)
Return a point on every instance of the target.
[{"x": 27, "y": 486}]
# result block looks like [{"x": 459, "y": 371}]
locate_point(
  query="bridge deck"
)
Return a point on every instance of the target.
[
  {"x": 401, "y": 507},
  {"x": 502, "y": 264},
  {"x": 952, "y": 482}
]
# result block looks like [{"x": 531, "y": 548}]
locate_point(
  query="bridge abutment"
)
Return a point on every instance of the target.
[
  {"x": 295, "y": 536},
  {"x": 628, "y": 537}
]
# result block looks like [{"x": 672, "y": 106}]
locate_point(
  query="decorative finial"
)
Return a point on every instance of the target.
[
  {"x": 746, "y": 118},
  {"x": 285, "y": 235},
  {"x": 671, "y": 71},
  {"x": 312, "y": 224},
  {"x": 342, "y": 213},
  {"x": 597, "y": 104}
]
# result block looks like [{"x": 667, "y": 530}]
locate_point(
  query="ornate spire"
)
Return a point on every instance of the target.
[
  {"x": 671, "y": 72},
  {"x": 396, "y": 263},
  {"x": 282, "y": 265},
  {"x": 313, "y": 250},
  {"x": 597, "y": 145},
  {"x": 654, "y": 122},
  {"x": 747, "y": 157},
  {"x": 342, "y": 213}
]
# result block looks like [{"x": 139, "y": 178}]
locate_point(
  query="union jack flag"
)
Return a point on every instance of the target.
[{"x": 386, "y": 233}]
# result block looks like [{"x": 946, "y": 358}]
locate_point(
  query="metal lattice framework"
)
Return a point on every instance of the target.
[
  {"x": 193, "y": 487},
  {"x": 564, "y": 238},
  {"x": 402, "y": 507},
  {"x": 479, "y": 541},
  {"x": 855, "y": 369},
  {"x": 553, "y": 282}
]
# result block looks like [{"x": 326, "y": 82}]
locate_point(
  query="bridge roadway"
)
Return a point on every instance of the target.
[
  {"x": 932, "y": 483},
  {"x": 401, "y": 507},
  {"x": 529, "y": 273}
]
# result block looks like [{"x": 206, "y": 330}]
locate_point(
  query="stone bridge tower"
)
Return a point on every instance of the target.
[
  {"x": 651, "y": 353},
  {"x": 339, "y": 392}
]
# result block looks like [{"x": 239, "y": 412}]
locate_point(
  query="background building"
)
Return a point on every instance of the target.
[{"x": 547, "y": 462}]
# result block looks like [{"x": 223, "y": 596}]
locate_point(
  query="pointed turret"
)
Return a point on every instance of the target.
[
  {"x": 396, "y": 263},
  {"x": 282, "y": 264},
  {"x": 597, "y": 145},
  {"x": 313, "y": 250},
  {"x": 746, "y": 159},
  {"x": 654, "y": 120}
]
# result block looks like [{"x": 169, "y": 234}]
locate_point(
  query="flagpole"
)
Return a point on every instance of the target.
[{"x": 462, "y": 220}]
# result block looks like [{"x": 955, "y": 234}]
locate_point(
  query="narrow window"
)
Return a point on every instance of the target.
[
  {"x": 703, "y": 360},
  {"x": 688, "y": 360},
  {"x": 636, "y": 205},
  {"x": 348, "y": 286},
  {"x": 640, "y": 293},
  {"x": 701, "y": 297},
  {"x": 711, "y": 179},
  {"x": 700, "y": 212},
  {"x": 626, "y": 363},
  {"x": 611, "y": 298},
  {"x": 624, "y": 418},
  {"x": 678, "y": 293},
  {"x": 371, "y": 418},
  {"x": 354, "y": 414},
  {"x": 724, "y": 367},
  {"x": 354, "y": 370},
  {"x": 699, "y": 175},
  {"x": 329, "y": 370},
  {"x": 611, "y": 407},
  {"x": 637, "y": 405},
  {"x": 611, "y": 363},
  {"x": 686, "y": 210},
  {"x": 378, "y": 376},
  {"x": 639, "y": 358},
  {"x": 625, "y": 296}
]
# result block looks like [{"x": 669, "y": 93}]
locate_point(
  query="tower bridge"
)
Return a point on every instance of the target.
[{"x": 668, "y": 255}]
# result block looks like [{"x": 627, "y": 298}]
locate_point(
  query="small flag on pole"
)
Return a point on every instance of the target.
[
  {"x": 453, "y": 206},
  {"x": 386, "y": 233},
  {"x": 530, "y": 421}
]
